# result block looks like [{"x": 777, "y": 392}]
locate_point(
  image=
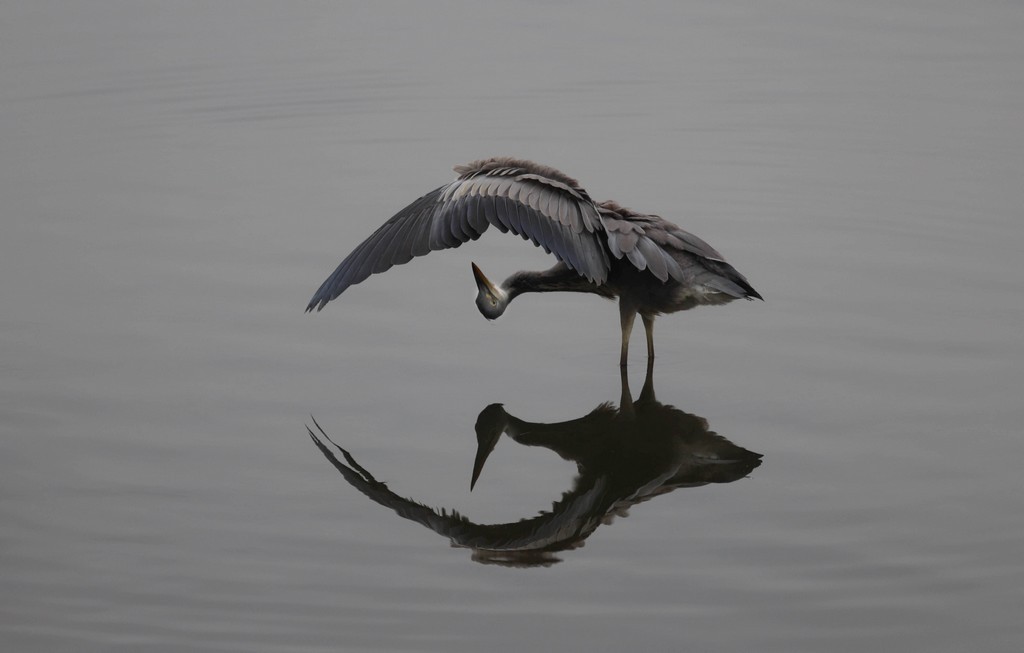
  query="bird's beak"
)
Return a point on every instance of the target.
[{"x": 483, "y": 283}]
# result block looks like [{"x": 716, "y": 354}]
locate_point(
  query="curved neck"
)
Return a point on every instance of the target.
[{"x": 557, "y": 279}]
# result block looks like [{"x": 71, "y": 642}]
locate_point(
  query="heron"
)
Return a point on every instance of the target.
[{"x": 649, "y": 264}]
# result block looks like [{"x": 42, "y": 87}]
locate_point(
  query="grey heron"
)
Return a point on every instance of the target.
[{"x": 649, "y": 264}]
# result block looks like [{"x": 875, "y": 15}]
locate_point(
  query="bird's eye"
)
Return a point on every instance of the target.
[{"x": 494, "y": 302}]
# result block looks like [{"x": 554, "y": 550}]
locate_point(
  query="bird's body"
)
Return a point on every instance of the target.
[{"x": 650, "y": 265}]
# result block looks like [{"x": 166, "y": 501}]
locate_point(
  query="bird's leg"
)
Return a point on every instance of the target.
[
  {"x": 647, "y": 392},
  {"x": 649, "y": 328},
  {"x": 626, "y": 398},
  {"x": 626, "y": 315}
]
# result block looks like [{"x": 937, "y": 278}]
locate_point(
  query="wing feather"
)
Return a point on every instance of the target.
[
  {"x": 490, "y": 211},
  {"x": 510, "y": 217},
  {"x": 655, "y": 257}
]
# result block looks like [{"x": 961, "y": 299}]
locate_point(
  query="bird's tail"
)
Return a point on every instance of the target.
[{"x": 727, "y": 279}]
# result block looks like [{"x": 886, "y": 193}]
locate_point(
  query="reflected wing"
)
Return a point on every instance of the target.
[{"x": 533, "y": 201}]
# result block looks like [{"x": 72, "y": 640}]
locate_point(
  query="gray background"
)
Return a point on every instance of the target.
[{"x": 178, "y": 178}]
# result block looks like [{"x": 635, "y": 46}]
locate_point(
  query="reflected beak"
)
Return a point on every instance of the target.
[
  {"x": 483, "y": 283},
  {"x": 489, "y": 426}
]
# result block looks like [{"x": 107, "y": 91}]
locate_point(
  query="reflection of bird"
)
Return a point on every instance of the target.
[
  {"x": 624, "y": 456},
  {"x": 651, "y": 265}
]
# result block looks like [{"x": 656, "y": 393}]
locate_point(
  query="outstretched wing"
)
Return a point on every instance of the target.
[{"x": 533, "y": 201}]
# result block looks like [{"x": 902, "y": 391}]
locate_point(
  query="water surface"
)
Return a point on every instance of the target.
[{"x": 178, "y": 179}]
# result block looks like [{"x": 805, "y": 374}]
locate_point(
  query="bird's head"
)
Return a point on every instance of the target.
[{"x": 490, "y": 299}]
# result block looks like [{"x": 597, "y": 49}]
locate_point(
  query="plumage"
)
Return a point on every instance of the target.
[{"x": 651, "y": 265}]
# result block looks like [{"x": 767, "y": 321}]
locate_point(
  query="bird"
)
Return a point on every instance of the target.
[{"x": 650, "y": 265}]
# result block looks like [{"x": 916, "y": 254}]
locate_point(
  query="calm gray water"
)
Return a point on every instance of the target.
[{"x": 178, "y": 178}]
